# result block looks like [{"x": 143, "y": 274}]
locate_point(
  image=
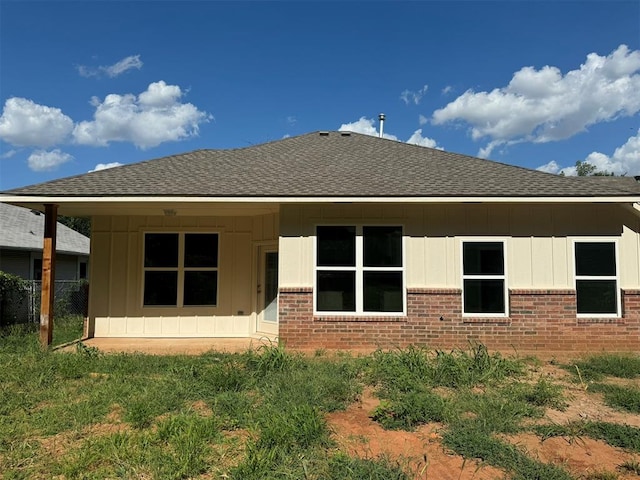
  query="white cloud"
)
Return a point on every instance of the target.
[
  {"x": 24, "y": 123},
  {"x": 550, "y": 167},
  {"x": 118, "y": 68},
  {"x": 422, "y": 120},
  {"x": 624, "y": 160},
  {"x": 291, "y": 120},
  {"x": 41, "y": 160},
  {"x": 409, "y": 96},
  {"x": 545, "y": 105},
  {"x": 418, "y": 139},
  {"x": 446, "y": 90},
  {"x": 8, "y": 154},
  {"x": 366, "y": 126},
  {"x": 104, "y": 166},
  {"x": 153, "y": 117}
]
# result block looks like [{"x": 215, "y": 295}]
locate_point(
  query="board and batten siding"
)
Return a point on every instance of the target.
[
  {"x": 538, "y": 239},
  {"x": 115, "y": 303}
]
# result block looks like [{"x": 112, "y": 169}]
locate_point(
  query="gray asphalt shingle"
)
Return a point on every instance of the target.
[
  {"x": 21, "y": 228},
  {"x": 320, "y": 164}
]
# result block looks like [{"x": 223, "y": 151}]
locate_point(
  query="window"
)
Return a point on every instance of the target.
[
  {"x": 82, "y": 274},
  {"x": 180, "y": 269},
  {"x": 359, "y": 269},
  {"x": 37, "y": 269},
  {"x": 483, "y": 278},
  {"x": 597, "y": 290}
]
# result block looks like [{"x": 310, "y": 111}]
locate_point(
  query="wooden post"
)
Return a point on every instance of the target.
[{"x": 48, "y": 274}]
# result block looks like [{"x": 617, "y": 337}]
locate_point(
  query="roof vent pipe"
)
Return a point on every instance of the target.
[{"x": 381, "y": 118}]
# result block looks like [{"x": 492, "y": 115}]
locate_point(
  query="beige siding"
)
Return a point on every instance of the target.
[
  {"x": 117, "y": 281},
  {"x": 538, "y": 238}
]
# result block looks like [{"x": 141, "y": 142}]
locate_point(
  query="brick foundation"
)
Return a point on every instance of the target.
[{"x": 539, "y": 321}]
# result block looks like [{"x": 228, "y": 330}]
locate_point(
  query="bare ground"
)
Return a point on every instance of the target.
[{"x": 422, "y": 454}]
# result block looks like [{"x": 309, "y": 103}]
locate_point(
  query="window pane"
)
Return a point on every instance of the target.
[
  {"x": 161, "y": 250},
  {"x": 382, "y": 246},
  {"x": 336, "y": 291},
  {"x": 483, "y": 258},
  {"x": 383, "y": 291},
  {"x": 336, "y": 246},
  {"x": 597, "y": 258},
  {"x": 484, "y": 296},
  {"x": 160, "y": 288},
  {"x": 201, "y": 250},
  {"x": 596, "y": 296},
  {"x": 200, "y": 288}
]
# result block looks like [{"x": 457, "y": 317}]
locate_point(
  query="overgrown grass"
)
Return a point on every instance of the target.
[
  {"x": 475, "y": 394},
  {"x": 623, "y": 436},
  {"x": 172, "y": 409},
  {"x": 475, "y": 443},
  {"x": 596, "y": 367},
  {"x": 259, "y": 414},
  {"x": 624, "y": 398}
]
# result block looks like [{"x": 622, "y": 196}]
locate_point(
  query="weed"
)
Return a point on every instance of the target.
[
  {"x": 626, "y": 398},
  {"x": 623, "y": 436},
  {"x": 347, "y": 468},
  {"x": 270, "y": 357},
  {"x": 614, "y": 364},
  {"x": 410, "y": 410},
  {"x": 602, "y": 475},
  {"x": 543, "y": 393},
  {"x": 473, "y": 443},
  {"x": 630, "y": 466}
]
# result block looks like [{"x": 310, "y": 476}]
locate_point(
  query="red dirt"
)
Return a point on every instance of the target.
[
  {"x": 419, "y": 452},
  {"x": 422, "y": 454}
]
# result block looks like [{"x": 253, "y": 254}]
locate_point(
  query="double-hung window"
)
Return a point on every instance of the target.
[
  {"x": 597, "y": 292},
  {"x": 180, "y": 269},
  {"x": 483, "y": 278},
  {"x": 359, "y": 269}
]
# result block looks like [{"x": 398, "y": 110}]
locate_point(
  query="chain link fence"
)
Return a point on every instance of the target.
[{"x": 71, "y": 298}]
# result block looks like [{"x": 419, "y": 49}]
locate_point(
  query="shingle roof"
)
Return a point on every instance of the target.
[
  {"x": 21, "y": 228},
  {"x": 325, "y": 164}
]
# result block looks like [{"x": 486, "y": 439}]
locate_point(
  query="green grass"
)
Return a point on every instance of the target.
[
  {"x": 277, "y": 397},
  {"x": 617, "y": 435},
  {"x": 472, "y": 442},
  {"x": 613, "y": 365},
  {"x": 623, "y": 398},
  {"x": 259, "y": 414}
]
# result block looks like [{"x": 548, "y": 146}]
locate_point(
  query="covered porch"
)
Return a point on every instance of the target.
[{"x": 242, "y": 272}]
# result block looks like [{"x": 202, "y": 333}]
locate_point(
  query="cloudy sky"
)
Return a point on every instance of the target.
[{"x": 539, "y": 84}]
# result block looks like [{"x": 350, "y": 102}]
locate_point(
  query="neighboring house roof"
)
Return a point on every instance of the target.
[
  {"x": 21, "y": 228},
  {"x": 324, "y": 164}
]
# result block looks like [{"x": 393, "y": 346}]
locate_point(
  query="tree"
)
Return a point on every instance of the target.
[
  {"x": 79, "y": 224},
  {"x": 585, "y": 169}
]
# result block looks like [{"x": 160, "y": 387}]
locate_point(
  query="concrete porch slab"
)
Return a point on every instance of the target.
[{"x": 175, "y": 346}]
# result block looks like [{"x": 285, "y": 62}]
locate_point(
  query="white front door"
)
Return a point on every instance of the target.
[{"x": 267, "y": 289}]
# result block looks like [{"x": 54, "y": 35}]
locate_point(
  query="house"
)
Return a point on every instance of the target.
[
  {"x": 341, "y": 240},
  {"x": 21, "y": 231}
]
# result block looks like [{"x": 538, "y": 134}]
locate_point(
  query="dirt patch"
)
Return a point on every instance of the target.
[
  {"x": 57, "y": 445},
  {"x": 582, "y": 404},
  {"x": 581, "y": 456},
  {"x": 420, "y": 453}
]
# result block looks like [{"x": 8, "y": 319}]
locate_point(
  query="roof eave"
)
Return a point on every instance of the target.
[{"x": 26, "y": 200}]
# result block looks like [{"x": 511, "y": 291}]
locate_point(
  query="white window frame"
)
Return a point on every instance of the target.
[
  {"x": 181, "y": 269},
  {"x": 615, "y": 277},
  {"x": 359, "y": 269},
  {"x": 503, "y": 277}
]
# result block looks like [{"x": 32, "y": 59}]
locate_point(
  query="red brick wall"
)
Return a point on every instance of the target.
[{"x": 539, "y": 321}]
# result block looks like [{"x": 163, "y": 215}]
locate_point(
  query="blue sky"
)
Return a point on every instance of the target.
[{"x": 531, "y": 83}]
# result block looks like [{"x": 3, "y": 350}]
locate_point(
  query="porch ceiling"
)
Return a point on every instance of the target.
[{"x": 153, "y": 207}]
